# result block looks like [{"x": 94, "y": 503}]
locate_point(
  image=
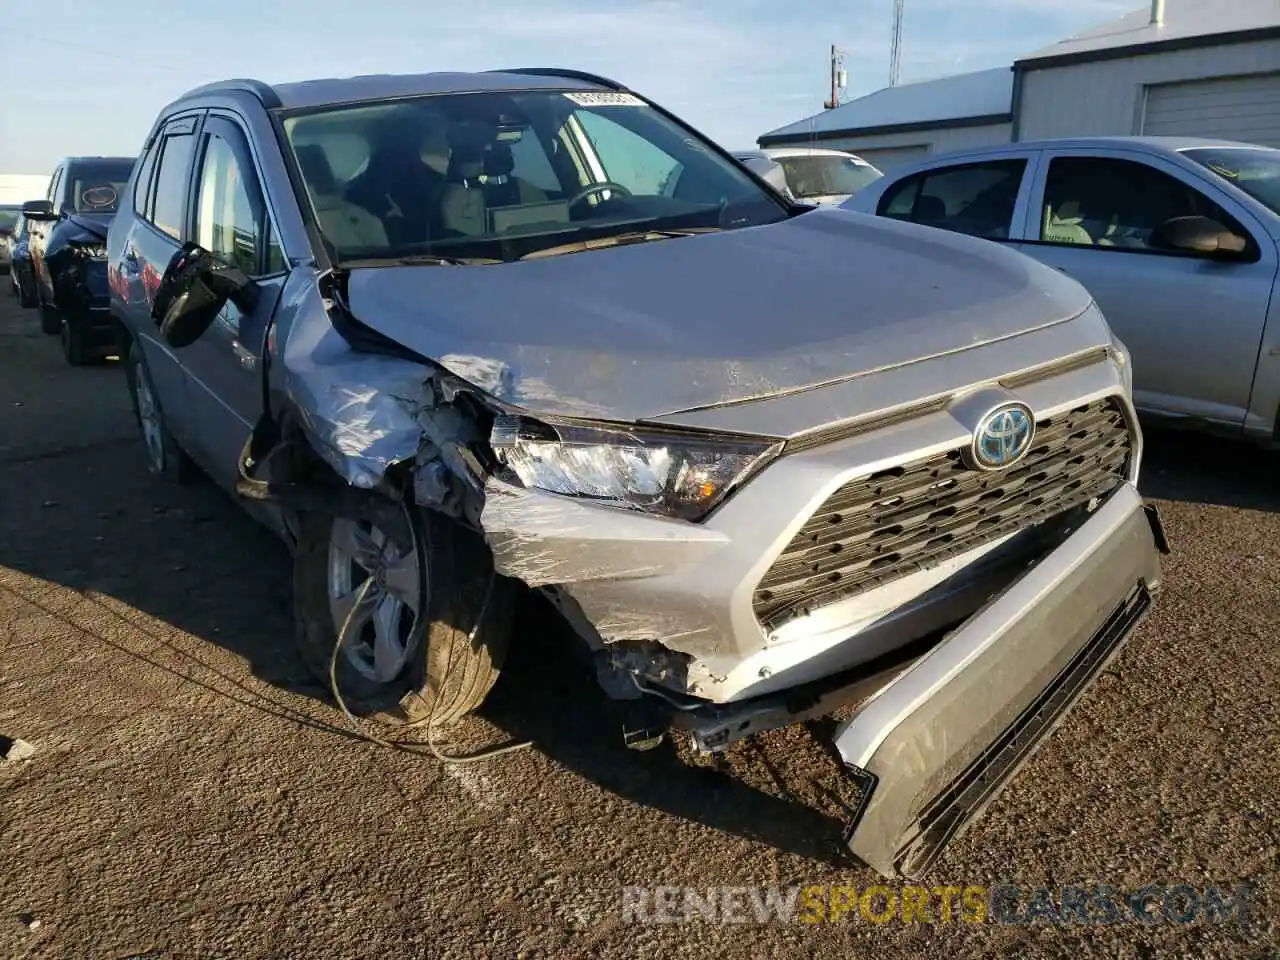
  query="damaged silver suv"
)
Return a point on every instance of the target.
[{"x": 453, "y": 336}]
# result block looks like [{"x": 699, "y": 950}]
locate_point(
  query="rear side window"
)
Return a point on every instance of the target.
[
  {"x": 142, "y": 186},
  {"x": 169, "y": 203},
  {"x": 977, "y": 198}
]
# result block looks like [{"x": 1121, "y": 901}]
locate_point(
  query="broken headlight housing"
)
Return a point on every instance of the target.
[{"x": 668, "y": 472}]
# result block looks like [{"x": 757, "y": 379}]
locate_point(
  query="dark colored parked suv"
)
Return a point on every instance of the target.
[{"x": 68, "y": 246}]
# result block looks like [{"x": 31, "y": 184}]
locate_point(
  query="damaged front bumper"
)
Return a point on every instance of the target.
[{"x": 937, "y": 743}]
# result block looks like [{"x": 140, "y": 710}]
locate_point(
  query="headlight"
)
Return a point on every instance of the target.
[{"x": 668, "y": 472}]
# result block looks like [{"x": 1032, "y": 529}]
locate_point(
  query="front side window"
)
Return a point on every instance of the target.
[
  {"x": 1117, "y": 204},
  {"x": 496, "y": 176},
  {"x": 96, "y": 187},
  {"x": 822, "y": 175},
  {"x": 977, "y": 199},
  {"x": 226, "y": 223},
  {"x": 170, "y": 199},
  {"x": 1256, "y": 172}
]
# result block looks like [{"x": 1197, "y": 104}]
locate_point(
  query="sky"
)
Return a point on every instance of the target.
[{"x": 90, "y": 80}]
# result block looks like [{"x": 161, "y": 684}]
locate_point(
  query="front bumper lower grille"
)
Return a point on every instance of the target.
[{"x": 882, "y": 527}]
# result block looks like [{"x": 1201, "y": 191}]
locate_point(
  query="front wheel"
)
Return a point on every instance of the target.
[
  {"x": 426, "y": 641},
  {"x": 76, "y": 348},
  {"x": 50, "y": 319},
  {"x": 26, "y": 298}
]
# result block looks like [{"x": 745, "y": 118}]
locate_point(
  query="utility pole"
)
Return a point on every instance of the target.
[
  {"x": 839, "y": 79},
  {"x": 895, "y": 49}
]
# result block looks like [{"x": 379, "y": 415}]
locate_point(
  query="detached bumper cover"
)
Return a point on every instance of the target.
[{"x": 935, "y": 745}]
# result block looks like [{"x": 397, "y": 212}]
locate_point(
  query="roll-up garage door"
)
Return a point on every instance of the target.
[{"x": 1230, "y": 108}]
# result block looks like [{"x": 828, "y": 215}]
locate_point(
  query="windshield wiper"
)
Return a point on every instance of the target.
[
  {"x": 617, "y": 240},
  {"x": 417, "y": 260}
]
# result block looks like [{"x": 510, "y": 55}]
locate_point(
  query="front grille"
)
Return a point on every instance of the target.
[{"x": 882, "y": 527}]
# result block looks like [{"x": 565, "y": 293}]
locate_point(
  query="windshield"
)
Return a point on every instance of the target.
[
  {"x": 827, "y": 176},
  {"x": 496, "y": 176},
  {"x": 1256, "y": 172},
  {"x": 9, "y": 216},
  {"x": 96, "y": 188}
]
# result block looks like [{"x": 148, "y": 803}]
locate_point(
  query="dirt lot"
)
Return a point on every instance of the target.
[{"x": 192, "y": 795}]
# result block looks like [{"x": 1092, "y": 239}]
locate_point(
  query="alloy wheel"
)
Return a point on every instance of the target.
[
  {"x": 383, "y": 635},
  {"x": 149, "y": 419}
]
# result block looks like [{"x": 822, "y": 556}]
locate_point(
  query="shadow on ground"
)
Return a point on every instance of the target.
[
  {"x": 1192, "y": 468},
  {"x": 94, "y": 520}
]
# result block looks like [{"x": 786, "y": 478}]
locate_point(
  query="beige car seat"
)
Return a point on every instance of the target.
[
  {"x": 347, "y": 225},
  {"x": 477, "y": 186},
  {"x": 463, "y": 208},
  {"x": 1063, "y": 225}
]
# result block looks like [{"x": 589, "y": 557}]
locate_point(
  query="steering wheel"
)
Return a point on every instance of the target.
[{"x": 595, "y": 188}]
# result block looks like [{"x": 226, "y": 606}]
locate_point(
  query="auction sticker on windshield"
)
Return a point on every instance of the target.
[
  {"x": 96, "y": 197},
  {"x": 604, "y": 99}
]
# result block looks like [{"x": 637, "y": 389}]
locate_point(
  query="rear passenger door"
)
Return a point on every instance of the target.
[
  {"x": 156, "y": 232},
  {"x": 985, "y": 198},
  {"x": 1192, "y": 323},
  {"x": 231, "y": 220}
]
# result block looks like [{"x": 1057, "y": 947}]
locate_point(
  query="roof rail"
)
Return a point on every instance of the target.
[
  {"x": 566, "y": 74},
  {"x": 257, "y": 88}
]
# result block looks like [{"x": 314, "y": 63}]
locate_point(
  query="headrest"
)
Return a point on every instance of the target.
[
  {"x": 433, "y": 150},
  {"x": 316, "y": 170},
  {"x": 929, "y": 207},
  {"x": 498, "y": 160}
]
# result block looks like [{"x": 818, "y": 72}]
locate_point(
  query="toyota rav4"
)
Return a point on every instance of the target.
[{"x": 453, "y": 336}]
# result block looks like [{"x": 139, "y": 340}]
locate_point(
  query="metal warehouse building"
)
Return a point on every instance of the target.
[
  {"x": 1199, "y": 67},
  {"x": 901, "y": 124},
  {"x": 1209, "y": 68}
]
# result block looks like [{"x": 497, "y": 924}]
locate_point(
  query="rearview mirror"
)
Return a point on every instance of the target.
[
  {"x": 1199, "y": 235},
  {"x": 194, "y": 289},
  {"x": 39, "y": 210}
]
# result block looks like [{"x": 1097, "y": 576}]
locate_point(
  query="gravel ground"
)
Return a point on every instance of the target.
[{"x": 191, "y": 794}]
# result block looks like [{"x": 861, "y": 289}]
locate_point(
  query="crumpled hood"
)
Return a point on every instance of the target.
[
  {"x": 635, "y": 332},
  {"x": 95, "y": 224}
]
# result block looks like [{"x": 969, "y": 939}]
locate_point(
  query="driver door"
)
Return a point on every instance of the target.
[
  {"x": 231, "y": 221},
  {"x": 1193, "y": 324}
]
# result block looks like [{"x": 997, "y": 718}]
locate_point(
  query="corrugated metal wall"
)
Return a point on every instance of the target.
[
  {"x": 1106, "y": 98},
  {"x": 896, "y": 148}
]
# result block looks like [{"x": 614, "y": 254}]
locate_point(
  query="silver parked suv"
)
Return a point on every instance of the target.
[{"x": 454, "y": 335}]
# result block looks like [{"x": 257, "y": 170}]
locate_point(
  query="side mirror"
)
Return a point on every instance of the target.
[
  {"x": 39, "y": 210},
  {"x": 194, "y": 289},
  {"x": 1199, "y": 235}
]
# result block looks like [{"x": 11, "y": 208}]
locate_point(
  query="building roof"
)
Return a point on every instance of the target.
[
  {"x": 1187, "y": 23},
  {"x": 966, "y": 99}
]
